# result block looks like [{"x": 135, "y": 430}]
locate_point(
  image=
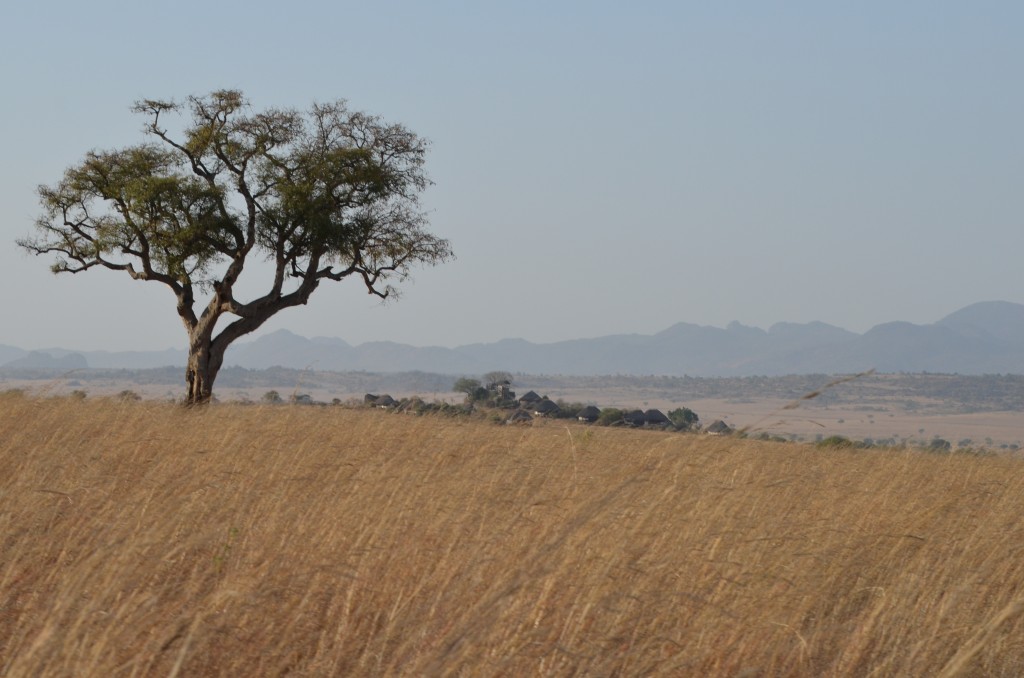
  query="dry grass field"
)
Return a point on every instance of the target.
[
  {"x": 887, "y": 409},
  {"x": 144, "y": 539}
]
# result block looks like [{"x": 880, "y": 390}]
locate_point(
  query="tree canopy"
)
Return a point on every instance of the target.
[
  {"x": 324, "y": 195},
  {"x": 466, "y": 385}
]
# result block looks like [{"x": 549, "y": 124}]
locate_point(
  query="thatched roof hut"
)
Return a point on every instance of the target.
[
  {"x": 545, "y": 407},
  {"x": 656, "y": 417},
  {"x": 589, "y": 414},
  {"x": 634, "y": 418},
  {"x": 530, "y": 397},
  {"x": 718, "y": 428},
  {"x": 385, "y": 401}
]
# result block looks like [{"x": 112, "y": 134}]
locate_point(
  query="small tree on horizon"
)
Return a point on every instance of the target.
[
  {"x": 471, "y": 387},
  {"x": 323, "y": 195}
]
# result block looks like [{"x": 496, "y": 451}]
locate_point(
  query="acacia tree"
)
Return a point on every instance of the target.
[
  {"x": 324, "y": 195},
  {"x": 467, "y": 385}
]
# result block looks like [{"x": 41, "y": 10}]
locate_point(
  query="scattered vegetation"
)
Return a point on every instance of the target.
[
  {"x": 497, "y": 394},
  {"x": 610, "y": 416},
  {"x": 344, "y": 541},
  {"x": 837, "y": 442}
]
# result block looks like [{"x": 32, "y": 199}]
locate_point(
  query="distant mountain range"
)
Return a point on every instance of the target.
[{"x": 983, "y": 338}]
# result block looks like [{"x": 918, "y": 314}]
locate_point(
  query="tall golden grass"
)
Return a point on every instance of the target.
[{"x": 145, "y": 539}]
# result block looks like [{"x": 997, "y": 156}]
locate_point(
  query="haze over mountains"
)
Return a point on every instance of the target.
[{"x": 983, "y": 338}]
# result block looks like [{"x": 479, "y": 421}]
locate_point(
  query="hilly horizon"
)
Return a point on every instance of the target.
[{"x": 982, "y": 338}]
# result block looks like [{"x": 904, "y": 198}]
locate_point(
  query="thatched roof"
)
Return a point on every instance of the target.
[
  {"x": 545, "y": 407},
  {"x": 653, "y": 416},
  {"x": 589, "y": 413},
  {"x": 530, "y": 397},
  {"x": 634, "y": 418},
  {"x": 718, "y": 427}
]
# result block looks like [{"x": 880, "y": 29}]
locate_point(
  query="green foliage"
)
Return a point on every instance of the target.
[
  {"x": 128, "y": 396},
  {"x": 683, "y": 418},
  {"x": 835, "y": 442},
  {"x": 567, "y": 410},
  {"x": 324, "y": 195},
  {"x": 466, "y": 385},
  {"x": 609, "y": 416},
  {"x": 272, "y": 397}
]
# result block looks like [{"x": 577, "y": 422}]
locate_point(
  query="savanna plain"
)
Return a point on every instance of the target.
[{"x": 143, "y": 538}]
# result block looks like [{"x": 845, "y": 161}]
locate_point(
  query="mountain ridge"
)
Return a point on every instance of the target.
[{"x": 982, "y": 338}]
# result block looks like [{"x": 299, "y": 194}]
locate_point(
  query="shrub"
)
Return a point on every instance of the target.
[
  {"x": 683, "y": 418},
  {"x": 835, "y": 442},
  {"x": 609, "y": 416},
  {"x": 568, "y": 410},
  {"x": 471, "y": 387}
]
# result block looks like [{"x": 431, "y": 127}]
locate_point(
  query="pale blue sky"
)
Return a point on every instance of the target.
[{"x": 600, "y": 167}]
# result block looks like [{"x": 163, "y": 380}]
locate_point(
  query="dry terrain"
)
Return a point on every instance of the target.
[
  {"x": 140, "y": 538},
  {"x": 981, "y": 429},
  {"x": 967, "y": 411}
]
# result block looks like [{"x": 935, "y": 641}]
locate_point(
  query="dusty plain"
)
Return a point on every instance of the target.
[{"x": 966, "y": 411}]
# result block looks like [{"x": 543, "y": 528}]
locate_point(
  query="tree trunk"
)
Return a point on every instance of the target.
[
  {"x": 206, "y": 353},
  {"x": 204, "y": 362}
]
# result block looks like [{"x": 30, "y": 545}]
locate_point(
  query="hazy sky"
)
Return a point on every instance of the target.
[{"x": 600, "y": 167}]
